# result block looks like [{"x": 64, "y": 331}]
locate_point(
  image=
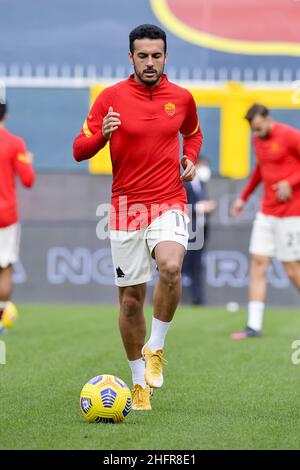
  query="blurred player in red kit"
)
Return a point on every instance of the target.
[
  {"x": 14, "y": 161},
  {"x": 142, "y": 117},
  {"x": 276, "y": 229}
]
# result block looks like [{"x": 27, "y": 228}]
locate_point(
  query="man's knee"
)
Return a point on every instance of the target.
[
  {"x": 259, "y": 265},
  {"x": 131, "y": 302},
  {"x": 169, "y": 272}
]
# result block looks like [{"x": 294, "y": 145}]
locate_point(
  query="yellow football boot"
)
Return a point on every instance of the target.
[
  {"x": 141, "y": 398},
  {"x": 154, "y": 366}
]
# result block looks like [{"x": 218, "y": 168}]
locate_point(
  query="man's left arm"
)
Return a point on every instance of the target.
[
  {"x": 192, "y": 140},
  {"x": 22, "y": 164}
]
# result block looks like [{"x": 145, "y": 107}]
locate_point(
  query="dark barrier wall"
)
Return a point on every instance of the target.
[{"x": 62, "y": 260}]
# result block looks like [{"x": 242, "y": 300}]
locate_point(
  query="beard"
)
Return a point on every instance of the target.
[
  {"x": 265, "y": 135},
  {"x": 151, "y": 79}
]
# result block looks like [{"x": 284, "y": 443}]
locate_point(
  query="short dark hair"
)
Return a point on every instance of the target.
[
  {"x": 149, "y": 31},
  {"x": 257, "y": 109},
  {"x": 3, "y": 110}
]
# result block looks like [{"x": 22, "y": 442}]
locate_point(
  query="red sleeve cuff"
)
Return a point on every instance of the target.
[{"x": 86, "y": 147}]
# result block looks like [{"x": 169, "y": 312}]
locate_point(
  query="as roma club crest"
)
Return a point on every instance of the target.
[
  {"x": 170, "y": 109},
  {"x": 274, "y": 147}
]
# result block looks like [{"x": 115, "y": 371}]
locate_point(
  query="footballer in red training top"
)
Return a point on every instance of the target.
[
  {"x": 276, "y": 229},
  {"x": 14, "y": 161},
  {"x": 142, "y": 118}
]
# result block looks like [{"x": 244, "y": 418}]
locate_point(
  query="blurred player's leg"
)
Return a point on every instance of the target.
[
  {"x": 6, "y": 283},
  {"x": 257, "y": 291},
  {"x": 292, "y": 269},
  {"x": 288, "y": 247},
  {"x": 6, "y": 287},
  {"x": 262, "y": 249},
  {"x": 9, "y": 254},
  {"x": 257, "y": 294}
]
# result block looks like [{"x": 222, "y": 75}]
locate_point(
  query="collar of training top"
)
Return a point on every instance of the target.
[{"x": 146, "y": 88}]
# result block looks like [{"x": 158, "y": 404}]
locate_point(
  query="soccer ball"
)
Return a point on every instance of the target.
[
  {"x": 105, "y": 399},
  {"x": 9, "y": 315}
]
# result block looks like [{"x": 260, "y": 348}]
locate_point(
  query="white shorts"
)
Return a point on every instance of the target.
[
  {"x": 9, "y": 245},
  {"x": 132, "y": 252},
  {"x": 276, "y": 236}
]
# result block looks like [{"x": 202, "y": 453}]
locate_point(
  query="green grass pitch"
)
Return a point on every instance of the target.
[{"x": 218, "y": 393}]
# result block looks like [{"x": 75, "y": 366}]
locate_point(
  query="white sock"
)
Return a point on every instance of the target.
[
  {"x": 159, "y": 331},
  {"x": 138, "y": 370},
  {"x": 255, "y": 315}
]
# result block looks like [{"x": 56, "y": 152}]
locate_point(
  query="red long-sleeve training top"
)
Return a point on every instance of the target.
[
  {"x": 278, "y": 158},
  {"x": 145, "y": 149},
  {"x": 13, "y": 161}
]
